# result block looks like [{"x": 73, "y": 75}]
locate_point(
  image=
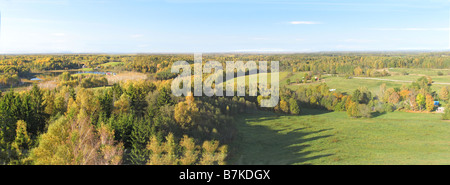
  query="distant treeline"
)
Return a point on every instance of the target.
[{"x": 367, "y": 64}]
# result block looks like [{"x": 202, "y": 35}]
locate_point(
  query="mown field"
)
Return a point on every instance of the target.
[{"x": 318, "y": 137}]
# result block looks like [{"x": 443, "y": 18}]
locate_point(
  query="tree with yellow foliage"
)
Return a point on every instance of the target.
[
  {"x": 190, "y": 151},
  {"x": 394, "y": 98},
  {"x": 185, "y": 152},
  {"x": 213, "y": 154},
  {"x": 358, "y": 71},
  {"x": 21, "y": 144},
  {"x": 185, "y": 112},
  {"x": 420, "y": 100},
  {"x": 75, "y": 141},
  {"x": 443, "y": 93},
  {"x": 429, "y": 103},
  {"x": 284, "y": 106},
  {"x": 122, "y": 105}
]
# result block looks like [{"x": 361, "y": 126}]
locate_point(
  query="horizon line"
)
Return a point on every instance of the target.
[{"x": 234, "y": 52}]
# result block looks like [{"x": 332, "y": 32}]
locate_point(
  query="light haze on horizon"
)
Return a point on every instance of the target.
[{"x": 172, "y": 26}]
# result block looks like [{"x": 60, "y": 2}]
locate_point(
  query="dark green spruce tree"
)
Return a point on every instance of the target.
[{"x": 140, "y": 135}]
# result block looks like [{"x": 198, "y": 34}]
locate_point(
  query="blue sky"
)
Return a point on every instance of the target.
[{"x": 154, "y": 26}]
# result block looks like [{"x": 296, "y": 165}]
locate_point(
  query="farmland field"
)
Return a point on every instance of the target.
[
  {"x": 344, "y": 84},
  {"x": 319, "y": 137}
]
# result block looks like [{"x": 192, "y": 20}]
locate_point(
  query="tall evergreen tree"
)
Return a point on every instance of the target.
[
  {"x": 164, "y": 97},
  {"x": 140, "y": 135},
  {"x": 37, "y": 117},
  {"x": 21, "y": 144}
]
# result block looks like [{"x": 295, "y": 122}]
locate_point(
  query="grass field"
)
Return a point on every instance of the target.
[
  {"x": 427, "y": 72},
  {"x": 341, "y": 83},
  {"x": 282, "y": 75},
  {"x": 318, "y": 137},
  {"x": 112, "y": 64}
]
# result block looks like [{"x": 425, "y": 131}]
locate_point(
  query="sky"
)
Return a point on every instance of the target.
[{"x": 184, "y": 26}]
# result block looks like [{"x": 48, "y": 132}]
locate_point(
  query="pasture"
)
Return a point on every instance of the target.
[
  {"x": 320, "y": 137},
  {"x": 397, "y": 79}
]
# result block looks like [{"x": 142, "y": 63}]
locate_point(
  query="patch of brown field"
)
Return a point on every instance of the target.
[
  {"x": 47, "y": 84},
  {"x": 124, "y": 76}
]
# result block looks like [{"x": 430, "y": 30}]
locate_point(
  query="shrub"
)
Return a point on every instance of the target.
[
  {"x": 284, "y": 106},
  {"x": 352, "y": 110},
  {"x": 357, "y": 110},
  {"x": 293, "y": 106},
  {"x": 364, "y": 111},
  {"x": 380, "y": 108},
  {"x": 388, "y": 107},
  {"x": 446, "y": 115}
]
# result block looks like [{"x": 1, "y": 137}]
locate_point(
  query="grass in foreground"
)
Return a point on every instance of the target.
[{"x": 318, "y": 137}]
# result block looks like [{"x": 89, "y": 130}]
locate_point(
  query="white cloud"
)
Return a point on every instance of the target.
[{"x": 304, "y": 22}]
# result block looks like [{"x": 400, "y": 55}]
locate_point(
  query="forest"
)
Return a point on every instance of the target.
[{"x": 90, "y": 119}]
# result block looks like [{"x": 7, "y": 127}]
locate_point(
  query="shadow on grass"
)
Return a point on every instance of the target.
[
  {"x": 376, "y": 114},
  {"x": 307, "y": 111},
  {"x": 261, "y": 145}
]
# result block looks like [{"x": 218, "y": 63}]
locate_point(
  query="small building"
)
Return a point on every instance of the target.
[{"x": 436, "y": 103}]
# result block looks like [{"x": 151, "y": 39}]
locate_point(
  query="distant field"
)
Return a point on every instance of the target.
[
  {"x": 112, "y": 64},
  {"x": 282, "y": 75},
  {"x": 124, "y": 76},
  {"x": 343, "y": 84},
  {"x": 318, "y": 137},
  {"x": 428, "y": 72}
]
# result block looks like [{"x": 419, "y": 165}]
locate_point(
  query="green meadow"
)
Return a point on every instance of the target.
[
  {"x": 344, "y": 84},
  {"x": 328, "y": 138},
  {"x": 112, "y": 64}
]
